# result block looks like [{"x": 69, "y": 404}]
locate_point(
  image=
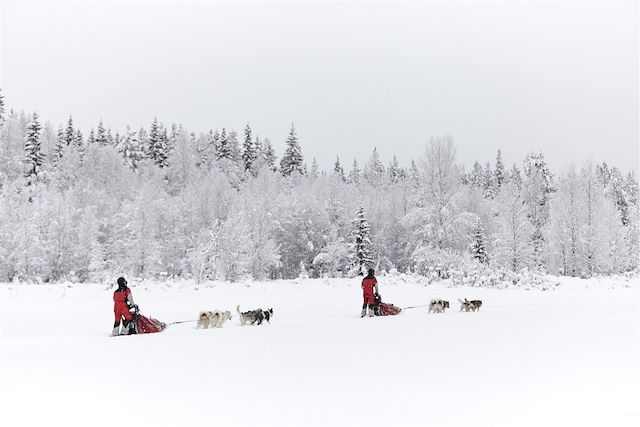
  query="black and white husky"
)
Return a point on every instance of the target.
[
  {"x": 467, "y": 305},
  {"x": 254, "y": 316},
  {"x": 438, "y": 306}
]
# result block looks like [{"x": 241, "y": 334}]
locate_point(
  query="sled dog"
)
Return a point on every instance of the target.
[
  {"x": 438, "y": 306},
  {"x": 218, "y": 317},
  {"x": 467, "y": 305},
  {"x": 204, "y": 319},
  {"x": 475, "y": 304},
  {"x": 464, "y": 305},
  {"x": 254, "y": 316}
]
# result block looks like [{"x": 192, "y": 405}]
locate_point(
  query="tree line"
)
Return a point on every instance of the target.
[{"x": 166, "y": 202}]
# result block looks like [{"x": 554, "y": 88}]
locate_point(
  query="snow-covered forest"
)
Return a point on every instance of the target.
[{"x": 164, "y": 202}]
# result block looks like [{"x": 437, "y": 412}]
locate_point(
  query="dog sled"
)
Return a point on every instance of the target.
[
  {"x": 384, "y": 309},
  {"x": 145, "y": 325}
]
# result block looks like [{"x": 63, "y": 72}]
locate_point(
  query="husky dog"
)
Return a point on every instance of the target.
[
  {"x": 475, "y": 304},
  {"x": 218, "y": 318},
  {"x": 204, "y": 319},
  {"x": 464, "y": 305},
  {"x": 254, "y": 316},
  {"x": 467, "y": 305},
  {"x": 438, "y": 306}
]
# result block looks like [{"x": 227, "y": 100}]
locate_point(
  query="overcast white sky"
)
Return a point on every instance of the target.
[{"x": 557, "y": 77}]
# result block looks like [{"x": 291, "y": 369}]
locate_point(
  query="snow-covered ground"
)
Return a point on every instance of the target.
[{"x": 566, "y": 357}]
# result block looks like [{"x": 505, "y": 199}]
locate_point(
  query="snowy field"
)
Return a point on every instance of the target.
[{"x": 565, "y": 357}]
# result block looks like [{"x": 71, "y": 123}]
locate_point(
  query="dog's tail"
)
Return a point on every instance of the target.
[
  {"x": 462, "y": 302},
  {"x": 238, "y": 309}
]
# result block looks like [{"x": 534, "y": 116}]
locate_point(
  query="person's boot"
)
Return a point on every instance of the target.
[
  {"x": 371, "y": 313},
  {"x": 364, "y": 312},
  {"x": 116, "y": 331}
]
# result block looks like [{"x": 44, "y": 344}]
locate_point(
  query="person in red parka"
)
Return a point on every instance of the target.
[
  {"x": 122, "y": 302},
  {"x": 369, "y": 291}
]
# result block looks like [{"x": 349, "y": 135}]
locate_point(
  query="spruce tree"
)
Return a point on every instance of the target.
[
  {"x": 292, "y": 159},
  {"x": 92, "y": 137},
  {"x": 361, "y": 249},
  {"x": 117, "y": 139},
  {"x": 153, "y": 141},
  {"x": 338, "y": 170},
  {"x": 499, "y": 174},
  {"x": 61, "y": 142},
  {"x": 269, "y": 155},
  {"x": 131, "y": 149},
  {"x": 477, "y": 178},
  {"x": 394, "y": 171},
  {"x": 163, "y": 148},
  {"x": 69, "y": 132},
  {"x": 34, "y": 155},
  {"x": 224, "y": 146},
  {"x": 249, "y": 155},
  {"x": 355, "y": 174},
  {"x": 315, "y": 169},
  {"x": 101, "y": 135},
  {"x": 414, "y": 173},
  {"x": 110, "y": 139},
  {"x": 478, "y": 247},
  {"x": 375, "y": 169},
  {"x": 489, "y": 189},
  {"x": 78, "y": 139}
]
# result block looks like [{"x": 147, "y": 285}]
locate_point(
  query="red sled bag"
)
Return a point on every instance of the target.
[
  {"x": 388, "y": 309},
  {"x": 143, "y": 324},
  {"x": 384, "y": 309},
  {"x": 148, "y": 325}
]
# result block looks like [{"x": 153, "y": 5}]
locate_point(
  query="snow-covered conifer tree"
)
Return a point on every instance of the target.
[
  {"x": 34, "y": 155},
  {"x": 489, "y": 185},
  {"x": 61, "y": 143},
  {"x": 269, "y": 155},
  {"x": 101, "y": 135},
  {"x": 478, "y": 247},
  {"x": 375, "y": 170},
  {"x": 292, "y": 159},
  {"x": 249, "y": 155},
  {"x": 499, "y": 174},
  {"x": 91, "y": 139},
  {"x": 361, "y": 250},
  {"x": 355, "y": 175},
  {"x": 477, "y": 176},
  {"x": 394, "y": 171},
  {"x": 69, "y": 132},
  {"x": 315, "y": 169},
  {"x": 338, "y": 170}
]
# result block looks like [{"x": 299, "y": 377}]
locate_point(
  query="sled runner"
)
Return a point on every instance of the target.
[{"x": 384, "y": 309}]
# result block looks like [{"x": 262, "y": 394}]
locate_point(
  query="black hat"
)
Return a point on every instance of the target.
[
  {"x": 371, "y": 272},
  {"x": 122, "y": 282}
]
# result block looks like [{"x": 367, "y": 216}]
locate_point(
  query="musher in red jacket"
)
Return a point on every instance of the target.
[
  {"x": 369, "y": 290},
  {"x": 122, "y": 302}
]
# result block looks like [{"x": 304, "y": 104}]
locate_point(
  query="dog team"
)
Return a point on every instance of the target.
[
  {"x": 439, "y": 306},
  {"x": 217, "y": 318}
]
